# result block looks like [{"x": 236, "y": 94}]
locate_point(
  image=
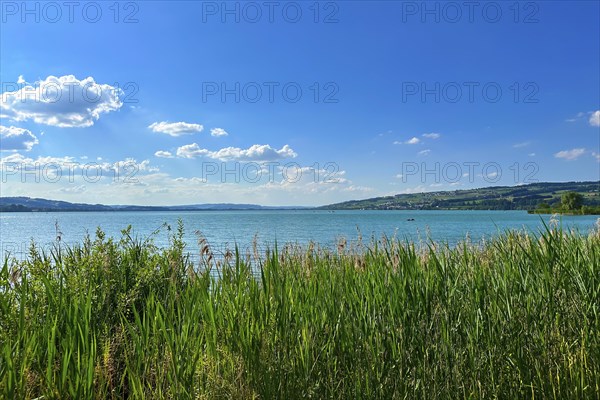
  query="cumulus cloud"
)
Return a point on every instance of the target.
[
  {"x": 255, "y": 152},
  {"x": 595, "y": 118},
  {"x": 65, "y": 102},
  {"x": 284, "y": 183},
  {"x": 218, "y": 132},
  {"x": 14, "y": 139},
  {"x": 294, "y": 174},
  {"x": 30, "y": 162},
  {"x": 413, "y": 140},
  {"x": 128, "y": 168},
  {"x": 191, "y": 151},
  {"x": 176, "y": 128},
  {"x": 572, "y": 154},
  {"x": 424, "y": 152},
  {"x": 163, "y": 154},
  {"x": 431, "y": 135}
]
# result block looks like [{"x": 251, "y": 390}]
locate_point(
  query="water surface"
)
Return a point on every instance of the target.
[{"x": 223, "y": 229}]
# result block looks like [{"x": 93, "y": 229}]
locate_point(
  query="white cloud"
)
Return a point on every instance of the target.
[
  {"x": 572, "y": 154},
  {"x": 21, "y": 80},
  {"x": 276, "y": 186},
  {"x": 191, "y": 151},
  {"x": 73, "y": 189},
  {"x": 521, "y": 145},
  {"x": 254, "y": 153},
  {"x": 431, "y": 135},
  {"x": 63, "y": 101},
  {"x": 424, "y": 152},
  {"x": 531, "y": 154},
  {"x": 415, "y": 189},
  {"x": 413, "y": 140},
  {"x": 295, "y": 174},
  {"x": 595, "y": 118},
  {"x": 175, "y": 128},
  {"x": 357, "y": 188},
  {"x": 193, "y": 179},
  {"x": 71, "y": 168},
  {"x": 218, "y": 132},
  {"x": 14, "y": 139},
  {"x": 163, "y": 154},
  {"x": 596, "y": 155},
  {"x": 576, "y": 117}
]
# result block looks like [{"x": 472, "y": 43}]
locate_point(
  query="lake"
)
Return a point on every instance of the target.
[{"x": 223, "y": 229}]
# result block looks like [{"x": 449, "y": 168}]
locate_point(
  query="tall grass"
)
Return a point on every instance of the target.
[{"x": 516, "y": 317}]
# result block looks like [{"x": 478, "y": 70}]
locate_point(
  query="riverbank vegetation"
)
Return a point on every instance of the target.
[
  {"x": 571, "y": 203},
  {"x": 513, "y": 317}
]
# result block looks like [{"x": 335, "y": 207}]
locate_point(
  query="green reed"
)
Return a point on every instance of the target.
[{"x": 515, "y": 317}]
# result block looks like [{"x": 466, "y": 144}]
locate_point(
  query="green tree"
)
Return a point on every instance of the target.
[{"x": 572, "y": 201}]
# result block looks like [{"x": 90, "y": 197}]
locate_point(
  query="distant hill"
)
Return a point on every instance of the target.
[
  {"x": 524, "y": 197},
  {"x": 33, "y": 204},
  {"x": 28, "y": 204}
]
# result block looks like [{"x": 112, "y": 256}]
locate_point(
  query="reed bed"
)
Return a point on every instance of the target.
[{"x": 514, "y": 317}]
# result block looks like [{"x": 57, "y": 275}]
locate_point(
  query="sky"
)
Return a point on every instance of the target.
[{"x": 294, "y": 103}]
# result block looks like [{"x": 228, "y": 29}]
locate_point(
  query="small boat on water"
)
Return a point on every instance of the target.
[{"x": 410, "y": 219}]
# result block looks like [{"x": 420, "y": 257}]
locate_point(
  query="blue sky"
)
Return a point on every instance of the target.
[{"x": 294, "y": 103}]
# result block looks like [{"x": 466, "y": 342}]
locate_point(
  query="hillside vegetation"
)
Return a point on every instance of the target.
[{"x": 525, "y": 197}]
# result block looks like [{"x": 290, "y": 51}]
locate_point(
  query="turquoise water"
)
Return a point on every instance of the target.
[{"x": 223, "y": 229}]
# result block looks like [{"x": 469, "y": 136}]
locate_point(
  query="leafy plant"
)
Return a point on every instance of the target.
[{"x": 514, "y": 317}]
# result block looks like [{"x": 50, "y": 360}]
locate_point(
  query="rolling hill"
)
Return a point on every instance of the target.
[{"x": 524, "y": 197}]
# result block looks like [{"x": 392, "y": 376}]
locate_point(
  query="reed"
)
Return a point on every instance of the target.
[{"x": 514, "y": 317}]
